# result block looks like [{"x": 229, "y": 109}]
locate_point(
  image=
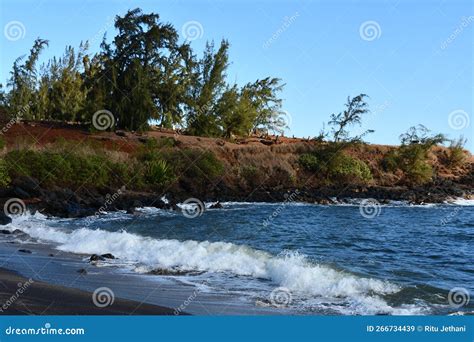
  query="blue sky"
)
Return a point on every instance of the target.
[{"x": 414, "y": 60}]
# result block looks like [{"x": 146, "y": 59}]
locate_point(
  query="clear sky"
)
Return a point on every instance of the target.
[{"x": 413, "y": 58}]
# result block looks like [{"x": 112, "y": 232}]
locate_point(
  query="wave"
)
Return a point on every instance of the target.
[
  {"x": 461, "y": 201},
  {"x": 291, "y": 270}
]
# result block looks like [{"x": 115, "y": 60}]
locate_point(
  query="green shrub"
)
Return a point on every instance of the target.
[
  {"x": 194, "y": 163},
  {"x": 61, "y": 167},
  {"x": 413, "y": 161},
  {"x": 346, "y": 168},
  {"x": 157, "y": 172},
  {"x": 4, "y": 177},
  {"x": 309, "y": 162},
  {"x": 390, "y": 161},
  {"x": 457, "y": 155}
]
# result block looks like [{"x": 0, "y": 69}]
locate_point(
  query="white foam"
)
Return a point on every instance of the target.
[
  {"x": 461, "y": 201},
  {"x": 291, "y": 270}
]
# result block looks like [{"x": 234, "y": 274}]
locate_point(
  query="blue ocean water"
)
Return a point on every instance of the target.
[{"x": 299, "y": 258}]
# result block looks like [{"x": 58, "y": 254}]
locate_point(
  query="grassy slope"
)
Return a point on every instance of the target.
[{"x": 249, "y": 164}]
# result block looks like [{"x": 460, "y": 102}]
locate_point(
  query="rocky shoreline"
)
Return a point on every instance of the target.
[{"x": 65, "y": 203}]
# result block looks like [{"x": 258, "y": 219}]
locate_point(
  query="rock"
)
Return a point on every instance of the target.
[
  {"x": 5, "y": 231},
  {"x": 216, "y": 205},
  {"x": 173, "y": 272},
  {"x": 95, "y": 257},
  {"x": 26, "y": 185},
  {"x": 51, "y": 254},
  {"x": 108, "y": 256},
  {"x": 27, "y": 251},
  {"x": 4, "y": 219},
  {"x": 121, "y": 133},
  {"x": 19, "y": 192},
  {"x": 82, "y": 271},
  {"x": 266, "y": 142}
]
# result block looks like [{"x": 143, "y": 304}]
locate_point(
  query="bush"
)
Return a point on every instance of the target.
[
  {"x": 157, "y": 172},
  {"x": 413, "y": 161},
  {"x": 390, "y": 161},
  {"x": 4, "y": 177},
  {"x": 457, "y": 156},
  {"x": 309, "y": 162},
  {"x": 61, "y": 167},
  {"x": 194, "y": 163},
  {"x": 2, "y": 143},
  {"x": 346, "y": 168}
]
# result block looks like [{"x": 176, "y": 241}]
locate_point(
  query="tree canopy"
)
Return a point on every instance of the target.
[{"x": 144, "y": 74}]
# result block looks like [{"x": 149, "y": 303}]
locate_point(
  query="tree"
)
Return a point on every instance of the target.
[
  {"x": 355, "y": 109},
  {"x": 138, "y": 62},
  {"x": 66, "y": 93},
  {"x": 263, "y": 96},
  {"x": 23, "y": 82},
  {"x": 208, "y": 84},
  {"x": 412, "y": 157}
]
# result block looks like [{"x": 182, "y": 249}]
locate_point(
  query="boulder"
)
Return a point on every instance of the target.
[
  {"x": 96, "y": 257},
  {"x": 4, "y": 219},
  {"x": 108, "y": 256},
  {"x": 26, "y": 251}
]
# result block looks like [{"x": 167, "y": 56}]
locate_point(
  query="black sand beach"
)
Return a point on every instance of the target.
[{"x": 39, "y": 298}]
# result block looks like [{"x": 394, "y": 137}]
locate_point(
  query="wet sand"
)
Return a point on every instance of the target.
[{"x": 39, "y": 298}]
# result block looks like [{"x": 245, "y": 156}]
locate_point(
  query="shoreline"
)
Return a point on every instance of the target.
[
  {"x": 64, "y": 203},
  {"x": 22, "y": 296}
]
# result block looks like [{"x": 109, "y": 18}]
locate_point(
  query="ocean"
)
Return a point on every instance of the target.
[{"x": 357, "y": 258}]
